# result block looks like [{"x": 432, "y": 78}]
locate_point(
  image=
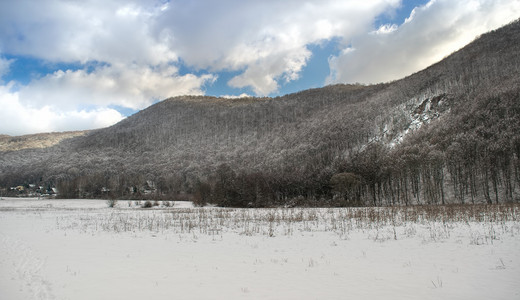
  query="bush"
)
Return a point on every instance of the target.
[
  {"x": 147, "y": 204},
  {"x": 111, "y": 203}
]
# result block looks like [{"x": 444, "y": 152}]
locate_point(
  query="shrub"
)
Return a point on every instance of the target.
[
  {"x": 147, "y": 204},
  {"x": 111, "y": 203}
]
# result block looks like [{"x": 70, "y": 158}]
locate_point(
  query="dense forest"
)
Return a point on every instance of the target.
[{"x": 447, "y": 134}]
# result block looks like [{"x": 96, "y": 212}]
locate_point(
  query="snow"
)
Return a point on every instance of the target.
[{"x": 81, "y": 249}]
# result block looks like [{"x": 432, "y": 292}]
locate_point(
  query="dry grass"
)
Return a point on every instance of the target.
[{"x": 482, "y": 224}]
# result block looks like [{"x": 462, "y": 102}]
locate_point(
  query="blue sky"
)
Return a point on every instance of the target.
[{"x": 74, "y": 65}]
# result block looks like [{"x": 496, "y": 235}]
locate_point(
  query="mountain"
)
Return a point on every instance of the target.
[{"x": 447, "y": 134}]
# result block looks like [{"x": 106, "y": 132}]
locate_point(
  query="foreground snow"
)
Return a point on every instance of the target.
[{"x": 81, "y": 249}]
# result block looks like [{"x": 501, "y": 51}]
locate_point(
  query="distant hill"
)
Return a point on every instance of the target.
[
  {"x": 33, "y": 141},
  {"x": 447, "y": 134}
]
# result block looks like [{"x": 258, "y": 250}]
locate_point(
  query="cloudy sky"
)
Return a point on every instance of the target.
[{"x": 83, "y": 64}]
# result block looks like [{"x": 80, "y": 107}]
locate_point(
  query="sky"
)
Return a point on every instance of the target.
[{"x": 75, "y": 65}]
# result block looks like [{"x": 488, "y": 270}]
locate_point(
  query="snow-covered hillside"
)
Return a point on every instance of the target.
[{"x": 453, "y": 127}]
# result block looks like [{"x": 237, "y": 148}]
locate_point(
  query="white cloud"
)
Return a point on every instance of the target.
[
  {"x": 263, "y": 76},
  {"x": 115, "y": 31},
  {"x": 267, "y": 40},
  {"x": 386, "y": 29},
  {"x": 18, "y": 118},
  {"x": 428, "y": 35},
  {"x": 134, "y": 87},
  {"x": 4, "y": 66}
]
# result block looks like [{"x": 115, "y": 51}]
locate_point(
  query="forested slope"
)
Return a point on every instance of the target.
[{"x": 447, "y": 134}]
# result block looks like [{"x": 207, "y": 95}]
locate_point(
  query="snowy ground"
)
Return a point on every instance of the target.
[{"x": 81, "y": 249}]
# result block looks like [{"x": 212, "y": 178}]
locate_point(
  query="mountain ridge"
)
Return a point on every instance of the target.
[{"x": 290, "y": 147}]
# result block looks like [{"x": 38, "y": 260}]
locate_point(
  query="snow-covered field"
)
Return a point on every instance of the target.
[{"x": 81, "y": 249}]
